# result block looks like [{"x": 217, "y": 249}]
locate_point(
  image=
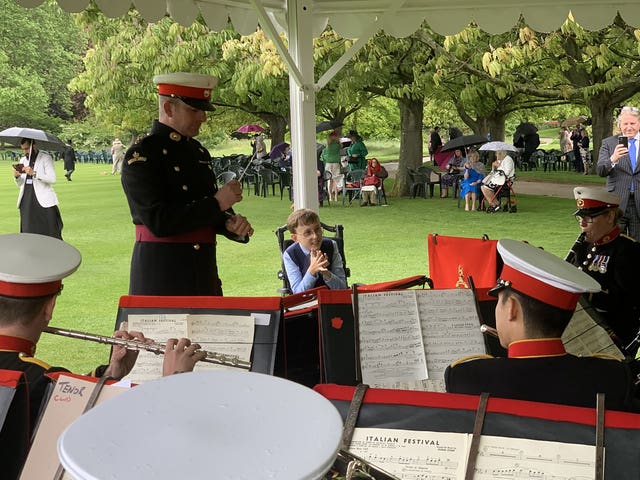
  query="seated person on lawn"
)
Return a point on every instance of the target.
[{"x": 312, "y": 261}]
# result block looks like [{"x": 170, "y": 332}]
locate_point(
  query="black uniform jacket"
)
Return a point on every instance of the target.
[
  {"x": 170, "y": 185},
  {"x": 542, "y": 371},
  {"x": 614, "y": 262},
  {"x": 16, "y": 354}
]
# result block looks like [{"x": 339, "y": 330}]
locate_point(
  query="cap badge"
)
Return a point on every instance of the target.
[
  {"x": 206, "y": 93},
  {"x": 580, "y": 203}
]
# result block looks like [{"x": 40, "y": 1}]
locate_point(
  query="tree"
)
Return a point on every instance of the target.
[
  {"x": 399, "y": 69},
  {"x": 572, "y": 65},
  {"x": 40, "y": 52}
]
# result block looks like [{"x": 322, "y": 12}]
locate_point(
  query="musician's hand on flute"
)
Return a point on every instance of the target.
[
  {"x": 181, "y": 356},
  {"x": 122, "y": 360}
]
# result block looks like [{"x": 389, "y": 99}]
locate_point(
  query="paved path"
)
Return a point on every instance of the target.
[{"x": 561, "y": 190}]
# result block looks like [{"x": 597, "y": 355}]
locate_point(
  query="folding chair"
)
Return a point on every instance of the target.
[
  {"x": 284, "y": 243},
  {"x": 352, "y": 184}
]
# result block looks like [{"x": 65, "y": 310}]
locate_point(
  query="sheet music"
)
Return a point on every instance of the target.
[
  {"x": 413, "y": 455},
  {"x": 502, "y": 457},
  {"x": 448, "y": 326},
  {"x": 583, "y": 336},
  {"x": 450, "y": 329},
  {"x": 228, "y": 334},
  {"x": 391, "y": 347}
]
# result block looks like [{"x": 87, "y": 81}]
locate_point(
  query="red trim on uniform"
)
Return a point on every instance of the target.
[
  {"x": 29, "y": 290},
  {"x": 17, "y": 344},
  {"x": 455, "y": 401},
  {"x": 197, "y": 93},
  {"x": 534, "y": 288},
  {"x": 609, "y": 237},
  {"x": 239, "y": 303},
  {"x": 10, "y": 378},
  {"x": 202, "y": 235},
  {"x": 545, "y": 347},
  {"x": 583, "y": 203}
]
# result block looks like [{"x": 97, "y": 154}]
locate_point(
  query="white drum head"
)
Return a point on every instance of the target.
[{"x": 220, "y": 424}]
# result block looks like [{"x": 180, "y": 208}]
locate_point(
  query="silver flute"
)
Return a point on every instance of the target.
[{"x": 137, "y": 345}]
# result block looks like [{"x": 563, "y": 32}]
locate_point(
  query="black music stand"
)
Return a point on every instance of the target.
[{"x": 265, "y": 336}]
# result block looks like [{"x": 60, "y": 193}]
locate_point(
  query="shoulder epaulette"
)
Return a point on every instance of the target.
[
  {"x": 606, "y": 356},
  {"x": 628, "y": 237},
  {"x": 34, "y": 360},
  {"x": 481, "y": 356}
]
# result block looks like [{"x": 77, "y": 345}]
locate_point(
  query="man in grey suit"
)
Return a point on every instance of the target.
[{"x": 617, "y": 162}]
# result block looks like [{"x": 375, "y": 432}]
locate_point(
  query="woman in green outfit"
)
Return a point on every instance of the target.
[
  {"x": 357, "y": 152},
  {"x": 331, "y": 157}
]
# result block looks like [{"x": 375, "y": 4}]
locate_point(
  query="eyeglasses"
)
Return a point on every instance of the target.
[{"x": 588, "y": 219}]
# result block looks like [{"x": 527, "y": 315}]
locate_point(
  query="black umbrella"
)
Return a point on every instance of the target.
[
  {"x": 324, "y": 126},
  {"x": 459, "y": 143},
  {"x": 44, "y": 140},
  {"x": 526, "y": 128}
]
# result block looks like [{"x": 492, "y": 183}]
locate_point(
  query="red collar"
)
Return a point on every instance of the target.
[
  {"x": 16, "y": 344},
  {"x": 543, "y": 347},
  {"x": 609, "y": 237}
]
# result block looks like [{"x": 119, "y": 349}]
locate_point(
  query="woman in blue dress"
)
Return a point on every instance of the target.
[{"x": 472, "y": 180}]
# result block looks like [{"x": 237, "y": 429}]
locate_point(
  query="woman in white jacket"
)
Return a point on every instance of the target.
[{"x": 37, "y": 200}]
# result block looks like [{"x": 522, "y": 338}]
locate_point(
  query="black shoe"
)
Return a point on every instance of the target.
[{"x": 493, "y": 209}]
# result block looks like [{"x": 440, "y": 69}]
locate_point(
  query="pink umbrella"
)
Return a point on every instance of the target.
[{"x": 250, "y": 128}]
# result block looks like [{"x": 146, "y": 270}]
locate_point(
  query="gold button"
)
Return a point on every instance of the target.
[
  {"x": 196, "y": 246},
  {"x": 185, "y": 188}
]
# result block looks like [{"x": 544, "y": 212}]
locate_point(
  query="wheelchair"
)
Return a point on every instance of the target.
[
  {"x": 506, "y": 196},
  {"x": 335, "y": 233}
]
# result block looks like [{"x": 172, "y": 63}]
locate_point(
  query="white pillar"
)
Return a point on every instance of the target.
[{"x": 302, "y": 106}]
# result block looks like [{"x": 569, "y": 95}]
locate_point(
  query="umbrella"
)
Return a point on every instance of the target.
[
  {"x": 44, "y": 140},
  {"x": 324, "y": 126},
  {"x": 526, "y": 128},
  {"x": 495, "y": 146},
  {"x": 278, "y": 150},
  {"x": 571, "y": 121},
  {"x": 459, "y": 143},
  {"x": 250, "y": 128}
]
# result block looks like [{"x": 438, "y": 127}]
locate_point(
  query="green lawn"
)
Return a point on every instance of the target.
[{"x": 381, "y": 244}]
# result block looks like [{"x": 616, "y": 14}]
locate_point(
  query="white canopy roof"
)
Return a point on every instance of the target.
[
  {"x": 350, "y": 18},
  {"x": 302, "y": 20}
]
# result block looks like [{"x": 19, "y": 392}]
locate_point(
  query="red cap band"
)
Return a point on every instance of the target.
[
  {"x": 29, "y": 290},
  {"x": 197, "y": 93},
  {"x": 591, "y": 203},
  {"x": 539, "y": 290}
]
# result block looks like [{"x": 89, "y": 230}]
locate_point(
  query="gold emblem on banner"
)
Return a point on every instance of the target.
[{"x": 461, "y": 283}]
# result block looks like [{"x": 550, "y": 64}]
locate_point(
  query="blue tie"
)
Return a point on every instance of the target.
[{"x": 632, "y": 157}]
